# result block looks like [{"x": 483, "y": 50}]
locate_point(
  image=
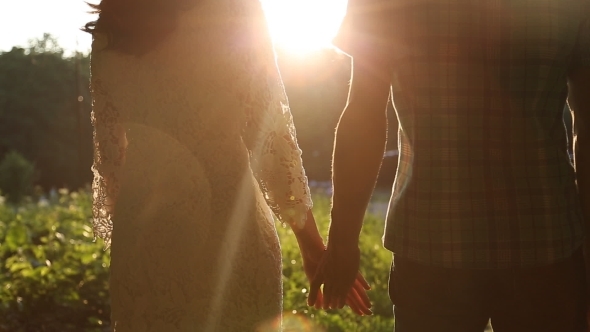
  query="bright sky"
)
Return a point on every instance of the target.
[
  {"x": 21, "y": 20},
  {"x": 304, "y": 25},
  {"x": 299, "y": 25}
]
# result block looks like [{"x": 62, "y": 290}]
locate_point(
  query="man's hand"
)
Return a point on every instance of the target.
[{"x": 343, "y": 283}]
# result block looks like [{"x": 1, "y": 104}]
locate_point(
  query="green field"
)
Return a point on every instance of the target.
[{"x": 53, "y": 276}]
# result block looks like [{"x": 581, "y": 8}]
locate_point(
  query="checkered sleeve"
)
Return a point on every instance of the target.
[{"x": 582, "y": 56}]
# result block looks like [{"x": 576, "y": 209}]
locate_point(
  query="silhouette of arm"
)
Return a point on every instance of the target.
[
  {"x": 358, "y": 151},
  {"x": 360, "y": 141}
]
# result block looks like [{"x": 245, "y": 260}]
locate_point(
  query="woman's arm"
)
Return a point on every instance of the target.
[{"x": 275, "y": 160}]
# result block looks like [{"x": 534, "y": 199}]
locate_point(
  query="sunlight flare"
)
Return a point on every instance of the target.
[{"x": 301, "y": 26}]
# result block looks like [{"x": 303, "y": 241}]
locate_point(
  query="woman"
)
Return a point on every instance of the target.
[{"x": 193, "y": 142}]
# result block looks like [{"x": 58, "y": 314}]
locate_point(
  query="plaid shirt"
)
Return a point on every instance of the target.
[{"x": 484, "y": 177}]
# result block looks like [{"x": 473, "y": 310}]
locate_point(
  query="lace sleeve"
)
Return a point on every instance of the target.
[
  {"x": 109, "y": 153},
  {"x": 275, "y": 157}
]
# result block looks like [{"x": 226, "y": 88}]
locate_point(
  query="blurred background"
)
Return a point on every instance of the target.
[
  {"x": 53, "y": 276},
  {"x": 44, "y": 85}
]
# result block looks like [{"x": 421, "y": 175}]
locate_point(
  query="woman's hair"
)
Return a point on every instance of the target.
[{"x": 136, "y": 26}]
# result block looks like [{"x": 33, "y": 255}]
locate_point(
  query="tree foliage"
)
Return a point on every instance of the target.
[
  {"x": 16, "y": 177},
  {"x": 45, "y": 111}
]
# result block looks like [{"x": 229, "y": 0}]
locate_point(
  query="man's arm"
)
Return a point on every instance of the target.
[
  {"x": 358, "y": 150},
  {"x": 579, "y": 102}
]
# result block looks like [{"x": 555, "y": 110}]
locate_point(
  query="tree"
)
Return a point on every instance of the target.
[
  {"x": 45, "y": 111},
  {"x": 42, "y": 118},
  {"x": 16, "y": 176}
]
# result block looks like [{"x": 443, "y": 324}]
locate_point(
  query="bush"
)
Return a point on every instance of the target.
[
  {"x": 16, "y": 176},
  {"x": 55, "y": 278}
]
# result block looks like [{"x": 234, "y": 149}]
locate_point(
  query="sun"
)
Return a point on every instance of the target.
[{"x": 302, "y": 26}]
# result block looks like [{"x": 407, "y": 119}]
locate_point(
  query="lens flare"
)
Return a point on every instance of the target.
[{"x": 302, "y": 26}]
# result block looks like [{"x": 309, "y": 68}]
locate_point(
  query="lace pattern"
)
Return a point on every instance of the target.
[
  {"x": 109, "y": 154},
  {"x": 275, "y": 156}
]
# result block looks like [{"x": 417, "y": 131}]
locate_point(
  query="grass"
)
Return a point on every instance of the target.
[
  {"x": 375, "y": 265},
  {"x": 53, "y": 277}
]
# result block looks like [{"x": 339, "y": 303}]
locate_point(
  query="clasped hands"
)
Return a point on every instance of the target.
[{"x": 337, "y": 269}]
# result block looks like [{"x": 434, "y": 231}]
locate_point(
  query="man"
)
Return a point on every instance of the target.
[{"x": 485, "y": 219}]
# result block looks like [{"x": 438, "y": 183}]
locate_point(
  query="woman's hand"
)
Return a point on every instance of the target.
[{"x": 311, "y": 253}]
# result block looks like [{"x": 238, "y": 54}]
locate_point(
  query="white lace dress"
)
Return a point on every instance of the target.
[{"x": 193, "y": 142}]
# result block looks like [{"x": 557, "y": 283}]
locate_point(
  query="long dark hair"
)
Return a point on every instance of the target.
[{"x": 136, "y": 26}]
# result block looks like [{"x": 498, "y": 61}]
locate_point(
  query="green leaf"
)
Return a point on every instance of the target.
[
  {"x": 18, "y": 266},
  {"x": 16, "y": 236}
]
